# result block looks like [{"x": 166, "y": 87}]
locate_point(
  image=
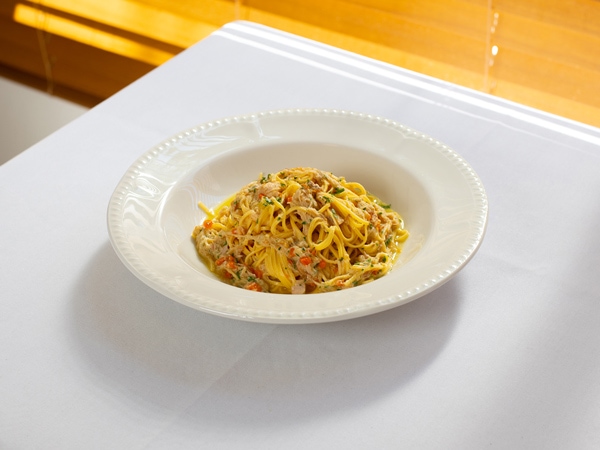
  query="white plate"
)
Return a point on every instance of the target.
[{"x": 154, "y": 209}]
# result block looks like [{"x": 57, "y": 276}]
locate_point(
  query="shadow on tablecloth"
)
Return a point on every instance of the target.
[{"x": 159, "y": 357}]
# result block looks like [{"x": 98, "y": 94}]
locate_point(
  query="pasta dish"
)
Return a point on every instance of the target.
[{"x": 299, "y": 231}]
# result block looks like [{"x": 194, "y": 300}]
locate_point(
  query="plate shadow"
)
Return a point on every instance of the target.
[{"x": 156, "y": 353}]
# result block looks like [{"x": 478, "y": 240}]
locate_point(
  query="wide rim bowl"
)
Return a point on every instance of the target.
[{"x": 153, "y": 209}]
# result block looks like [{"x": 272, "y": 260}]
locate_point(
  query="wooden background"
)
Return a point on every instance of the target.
[{"x": 542, "y": 53}]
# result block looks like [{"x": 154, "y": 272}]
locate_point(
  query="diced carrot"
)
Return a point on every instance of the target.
[
  {"x": 220, "y": 261},
  {"x": 322, "y": 264},
  {"x": 306, "y": 260},
  {"x": 208, "y": 224},
  {"x": 230, "y": 261},
  {"x": 288, "y": 199},
  {"x": 292, "y": 251},
  {"x": 228, "y": 275},
  {"x": 254, "y": 286}
]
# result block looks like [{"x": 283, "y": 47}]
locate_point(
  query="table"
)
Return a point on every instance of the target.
[{"x": 505, "y": 355}]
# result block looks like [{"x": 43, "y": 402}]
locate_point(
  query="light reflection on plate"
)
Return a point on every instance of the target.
[{"x": 153, "y": 210}]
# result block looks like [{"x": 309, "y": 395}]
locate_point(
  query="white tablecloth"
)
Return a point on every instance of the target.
[{"x": 506, "y": 355}]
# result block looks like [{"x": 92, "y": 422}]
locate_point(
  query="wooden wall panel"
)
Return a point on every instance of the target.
[
  {"x": 409, "y": 26},
  {"x": 77, "y": 72},
  {"x": 546, "y": 52}
]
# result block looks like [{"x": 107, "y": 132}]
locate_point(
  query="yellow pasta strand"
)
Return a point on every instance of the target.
[{"x": 301, "y": 230}]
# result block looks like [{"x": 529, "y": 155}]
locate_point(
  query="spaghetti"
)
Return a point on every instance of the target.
[{"x": 300, "y": 231}]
